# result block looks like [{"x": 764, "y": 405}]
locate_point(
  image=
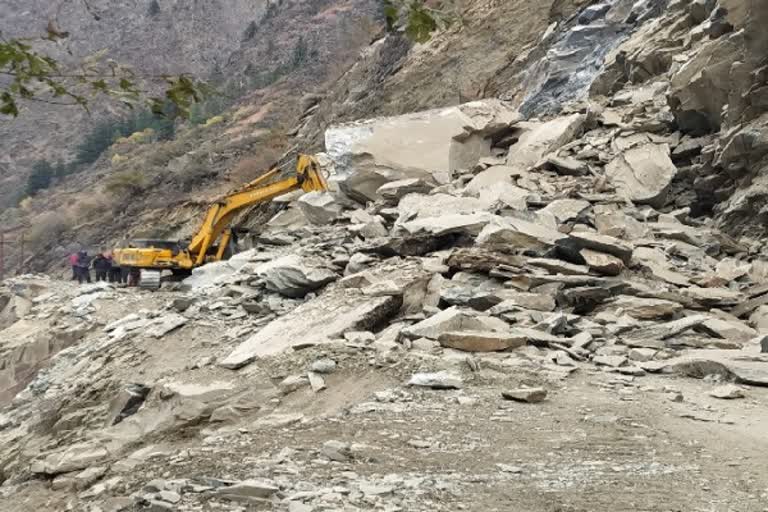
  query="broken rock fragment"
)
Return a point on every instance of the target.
[{"x": 527, "y": 395}]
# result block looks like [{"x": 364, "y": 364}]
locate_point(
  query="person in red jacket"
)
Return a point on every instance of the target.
[{"x": 73, "y": 264}]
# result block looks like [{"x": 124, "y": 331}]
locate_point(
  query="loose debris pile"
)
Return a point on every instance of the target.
[{"x": 490, "y": 258}]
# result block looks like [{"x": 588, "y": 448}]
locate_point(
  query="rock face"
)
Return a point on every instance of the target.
[
  {"x": 428, "y": 143},
  {"x": 643, "y": 174}
]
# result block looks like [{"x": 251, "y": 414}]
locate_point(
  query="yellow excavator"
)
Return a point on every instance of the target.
[{"x": 214, "y": 239}]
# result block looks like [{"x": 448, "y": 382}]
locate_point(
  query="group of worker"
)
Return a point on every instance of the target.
[{"x": 103, "y": 266}]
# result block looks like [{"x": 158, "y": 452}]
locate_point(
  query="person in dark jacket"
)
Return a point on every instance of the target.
[
  {"x": 102, "y": 267},
  {"x": 115, "y": 275},
  {"x": 83, "y": 265}
]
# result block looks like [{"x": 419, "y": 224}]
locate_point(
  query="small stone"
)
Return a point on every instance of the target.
[
  {"x": 293, "y": 383},
  {"x": 250, "y": 489},
  {"x": 438, "y": 380},
  {"x": 419, "y": 443},
  {"x": 528, "y": 395},
  {"x": 337, "y": 451},
  {"x": 506, "y": 468},
  {"x": 169, "y": 496},
  {"x": 324, "y": 366},
  {"x": 360, "y": 337},
  {"x": 612, "y": 361},
  {"x": 602, "y": 263},
  {"x": 642, "y": 355},
  {"x": 316, "y": 382},
  {"x": 727, "y": 392}
]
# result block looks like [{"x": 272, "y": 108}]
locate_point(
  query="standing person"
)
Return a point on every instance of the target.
[
  {"x": 83, "y": 267},
  {"x": 102, "y": 266},
  {"x": 114, "y": 270},
  {"x": 73, "y": 264},
  {"x": 125, "y": 274}
]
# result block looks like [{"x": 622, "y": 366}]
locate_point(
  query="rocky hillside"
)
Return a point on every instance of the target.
[
  {"x": 523, "y": 335},
  {"x": 553, "y": 297}
]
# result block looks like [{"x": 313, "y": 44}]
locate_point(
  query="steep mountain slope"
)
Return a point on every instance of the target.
[
  {"x": 180, "y": 37},
  {"x": 273, "y": 56}
]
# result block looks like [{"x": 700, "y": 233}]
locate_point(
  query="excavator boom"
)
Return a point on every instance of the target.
[{"x": 213, "y": 237}]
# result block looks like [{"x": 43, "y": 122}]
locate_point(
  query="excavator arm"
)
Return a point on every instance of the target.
[
  {"x": 219, "y": 217},
  {"x": 215, "y": 230}
]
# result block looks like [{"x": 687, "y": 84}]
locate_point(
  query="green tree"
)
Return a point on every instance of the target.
[{"x": 40, "y": 178}]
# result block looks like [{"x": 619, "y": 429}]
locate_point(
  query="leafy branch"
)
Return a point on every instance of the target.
[{"x": 28, "y": 74}]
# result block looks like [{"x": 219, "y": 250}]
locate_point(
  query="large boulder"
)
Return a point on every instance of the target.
[
  {"x": 428, "y": 143},
  {"x": 294, "y": 276},
  {"x": 538, "y": 139},
  {"x": 643, "y": 174},
  {"x": 319, "y": 207}
]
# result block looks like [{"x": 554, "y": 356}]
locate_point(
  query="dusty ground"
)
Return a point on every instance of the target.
[{"x": 600, "y": 442}]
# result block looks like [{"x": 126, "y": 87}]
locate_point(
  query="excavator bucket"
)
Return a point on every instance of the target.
[{"x": 310, "y": 174}]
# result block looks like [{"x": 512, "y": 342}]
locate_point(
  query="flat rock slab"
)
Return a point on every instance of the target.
[
  {"x": 727, "y": 392},
  {"x": 249, "y": 488},
  {"x": 522, "y": 300},
  {"x": 558, "y": 266},
  {"x": 645, "y": 309},
  {"x": 575, "y": 242},
  {"x": 481, "y": 341},
  {"x": 527, "y": 395},
  {"x": 317, "y": 321},
  {"x": 519, "y": 234},
  {"x": 451, "y": 319},
  {"x": 452, "y": 223},
  {"x": 668, "y": 329},
  {"x": 728, "y": 364},
  {"x": 712, "y": 296},
  {"x": 437, "y": 380}
]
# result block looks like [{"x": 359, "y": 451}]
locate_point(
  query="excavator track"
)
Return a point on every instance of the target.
[{"x": 150, "y": 279}]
